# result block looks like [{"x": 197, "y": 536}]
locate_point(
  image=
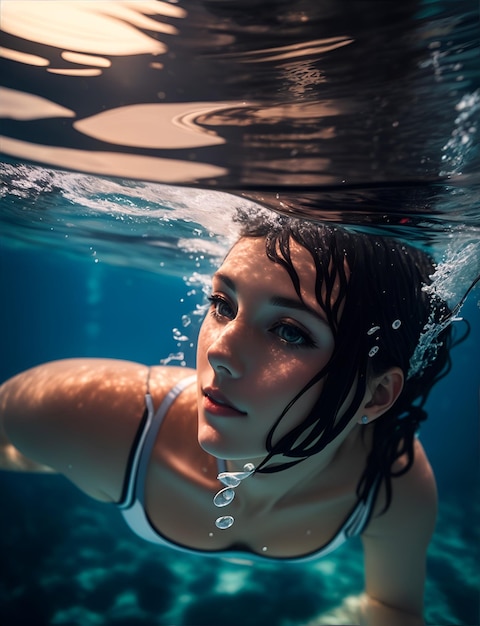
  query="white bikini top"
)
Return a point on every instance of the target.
[{"x": 133, "y": 497}]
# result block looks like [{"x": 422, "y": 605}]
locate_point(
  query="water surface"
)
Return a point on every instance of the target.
[{"x": 363, "y": 113}]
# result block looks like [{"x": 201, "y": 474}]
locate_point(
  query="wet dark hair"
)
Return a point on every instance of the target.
[{"x": 376, "y": 318}]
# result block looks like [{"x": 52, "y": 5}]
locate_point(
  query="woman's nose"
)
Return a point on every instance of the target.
[{"x": 226, "y": 354}]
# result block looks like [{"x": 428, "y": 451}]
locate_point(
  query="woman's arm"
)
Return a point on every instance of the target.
[
  {"x": 77, "y": 417},
  {"x": 395, "y": 546},
  {"x": 12, "y": 459}
]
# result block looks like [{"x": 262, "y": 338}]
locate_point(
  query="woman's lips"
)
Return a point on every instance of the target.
[{"x": 216, "y": 404}]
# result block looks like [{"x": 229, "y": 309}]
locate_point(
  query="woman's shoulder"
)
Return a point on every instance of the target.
[
  {"x": 162, "y": 379},
  {"x": 80, "y": 416},
  {"x": 94, "y": 379}
]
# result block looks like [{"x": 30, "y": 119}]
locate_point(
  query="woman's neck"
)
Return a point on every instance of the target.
[{"x": 266, "y": 490}]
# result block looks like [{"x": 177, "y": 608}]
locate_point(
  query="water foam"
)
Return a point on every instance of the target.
[
  {"x": 463, "y": 142},
  {"x": 452, "y": 280}
]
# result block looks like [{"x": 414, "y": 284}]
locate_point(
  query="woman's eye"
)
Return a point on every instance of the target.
[
  {"x": 220, "y": 307},
  {"x": 293, "y": 335}
]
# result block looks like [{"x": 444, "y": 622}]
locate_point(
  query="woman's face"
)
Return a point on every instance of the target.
[{"x": 258, "y": 347}]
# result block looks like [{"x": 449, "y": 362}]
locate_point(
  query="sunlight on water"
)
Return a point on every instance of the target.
[
  {"x": 102, "y": 226},
  {"x": 346, "y": 613},
  {"x": 364, "y": 114}
]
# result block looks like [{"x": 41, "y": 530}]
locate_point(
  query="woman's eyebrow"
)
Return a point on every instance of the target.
[
  {"x": 279, "y": 301},
  {"x": 298, "y": 305},
  {"x": 225, "y": 279}
]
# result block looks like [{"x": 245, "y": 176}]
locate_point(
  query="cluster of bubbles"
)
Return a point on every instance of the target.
[
  {"x": 453, "y": 276},
  {"x": 198, "y": 288},
  {"x": 463, "y": 141},
  {"x": 455, "y": 272}
]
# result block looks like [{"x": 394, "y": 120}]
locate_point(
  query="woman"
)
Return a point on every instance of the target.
[{"x": 312, "y": 369}]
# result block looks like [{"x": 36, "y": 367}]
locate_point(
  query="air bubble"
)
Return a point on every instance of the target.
[{"x": 224, "y": 522}]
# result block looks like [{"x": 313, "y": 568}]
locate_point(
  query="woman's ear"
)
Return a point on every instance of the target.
[{"x": 384, "y": 390}]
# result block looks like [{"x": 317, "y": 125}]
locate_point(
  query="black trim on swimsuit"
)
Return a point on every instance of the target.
[{"x": 131, "y": 456}]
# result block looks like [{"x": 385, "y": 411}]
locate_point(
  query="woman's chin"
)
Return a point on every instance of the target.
[{"x": 221, "y": 447}]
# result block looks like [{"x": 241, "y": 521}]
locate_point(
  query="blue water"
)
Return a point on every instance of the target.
[
  {"x": 101, "y": 291},
  {"x": 366, "y": 113}
]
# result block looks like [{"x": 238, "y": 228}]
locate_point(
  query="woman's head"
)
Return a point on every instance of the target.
[
  {"x": 371, "y": 291},
  {"x": 258, "y": 346}
]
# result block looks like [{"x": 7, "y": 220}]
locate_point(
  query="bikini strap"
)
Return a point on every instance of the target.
[{"x": 134, "y": 485}]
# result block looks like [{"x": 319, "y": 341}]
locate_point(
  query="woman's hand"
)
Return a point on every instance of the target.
[{"x": 374, "y": 613}]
